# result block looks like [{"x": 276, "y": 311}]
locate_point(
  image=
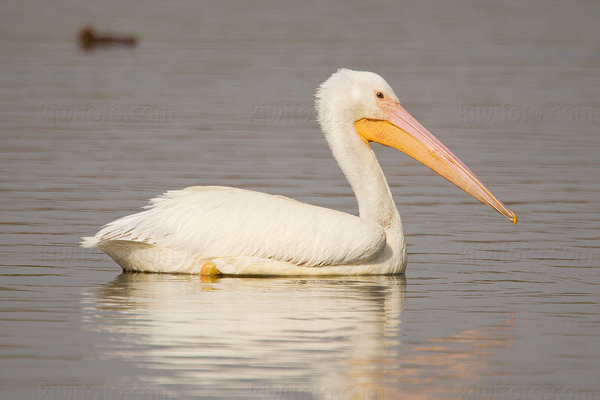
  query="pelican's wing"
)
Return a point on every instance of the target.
[{"x": 226, "y": 222}]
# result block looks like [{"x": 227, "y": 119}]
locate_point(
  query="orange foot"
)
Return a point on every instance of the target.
[{"x": 209, "y": 272}]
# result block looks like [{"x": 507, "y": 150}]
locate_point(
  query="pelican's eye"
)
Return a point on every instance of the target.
[{"x": 380, "y": 95}]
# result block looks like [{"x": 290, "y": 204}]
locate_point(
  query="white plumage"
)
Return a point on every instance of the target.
[
  {"x": 207, "y": 221},
  {"x": 242, "y": 232}
]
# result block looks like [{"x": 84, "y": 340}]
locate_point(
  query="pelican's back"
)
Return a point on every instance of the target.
[{"x": 207, "y": 222}]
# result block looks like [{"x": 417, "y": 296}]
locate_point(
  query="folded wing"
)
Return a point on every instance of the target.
[{"x": 211, "y": 222}]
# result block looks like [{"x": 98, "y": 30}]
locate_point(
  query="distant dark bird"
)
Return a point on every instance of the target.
[{"x": 89, "y": 40}]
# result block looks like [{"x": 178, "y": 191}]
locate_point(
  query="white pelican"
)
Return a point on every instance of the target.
[{"x": 215, "y": 230}]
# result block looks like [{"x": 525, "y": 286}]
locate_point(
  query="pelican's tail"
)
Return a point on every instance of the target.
[{"x": 89, "y": 242}]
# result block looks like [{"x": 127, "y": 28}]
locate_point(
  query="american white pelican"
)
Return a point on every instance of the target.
[{"x": 215, "y": 230}]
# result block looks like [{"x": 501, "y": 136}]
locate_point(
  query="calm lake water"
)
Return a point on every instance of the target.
[{"x": 221, "y": 92}]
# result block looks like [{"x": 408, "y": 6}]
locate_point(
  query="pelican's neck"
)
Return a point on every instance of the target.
[
  {"x": 340, "y": 102},
  {"x": 359, "y": 164}
]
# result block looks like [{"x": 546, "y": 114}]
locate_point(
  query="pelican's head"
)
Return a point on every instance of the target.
[
  {"x": 348, "y": 96},
  {"x": 365, "y": 105}
]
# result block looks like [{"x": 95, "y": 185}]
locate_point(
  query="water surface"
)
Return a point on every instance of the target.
[{"x": 222, "y": 93}]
